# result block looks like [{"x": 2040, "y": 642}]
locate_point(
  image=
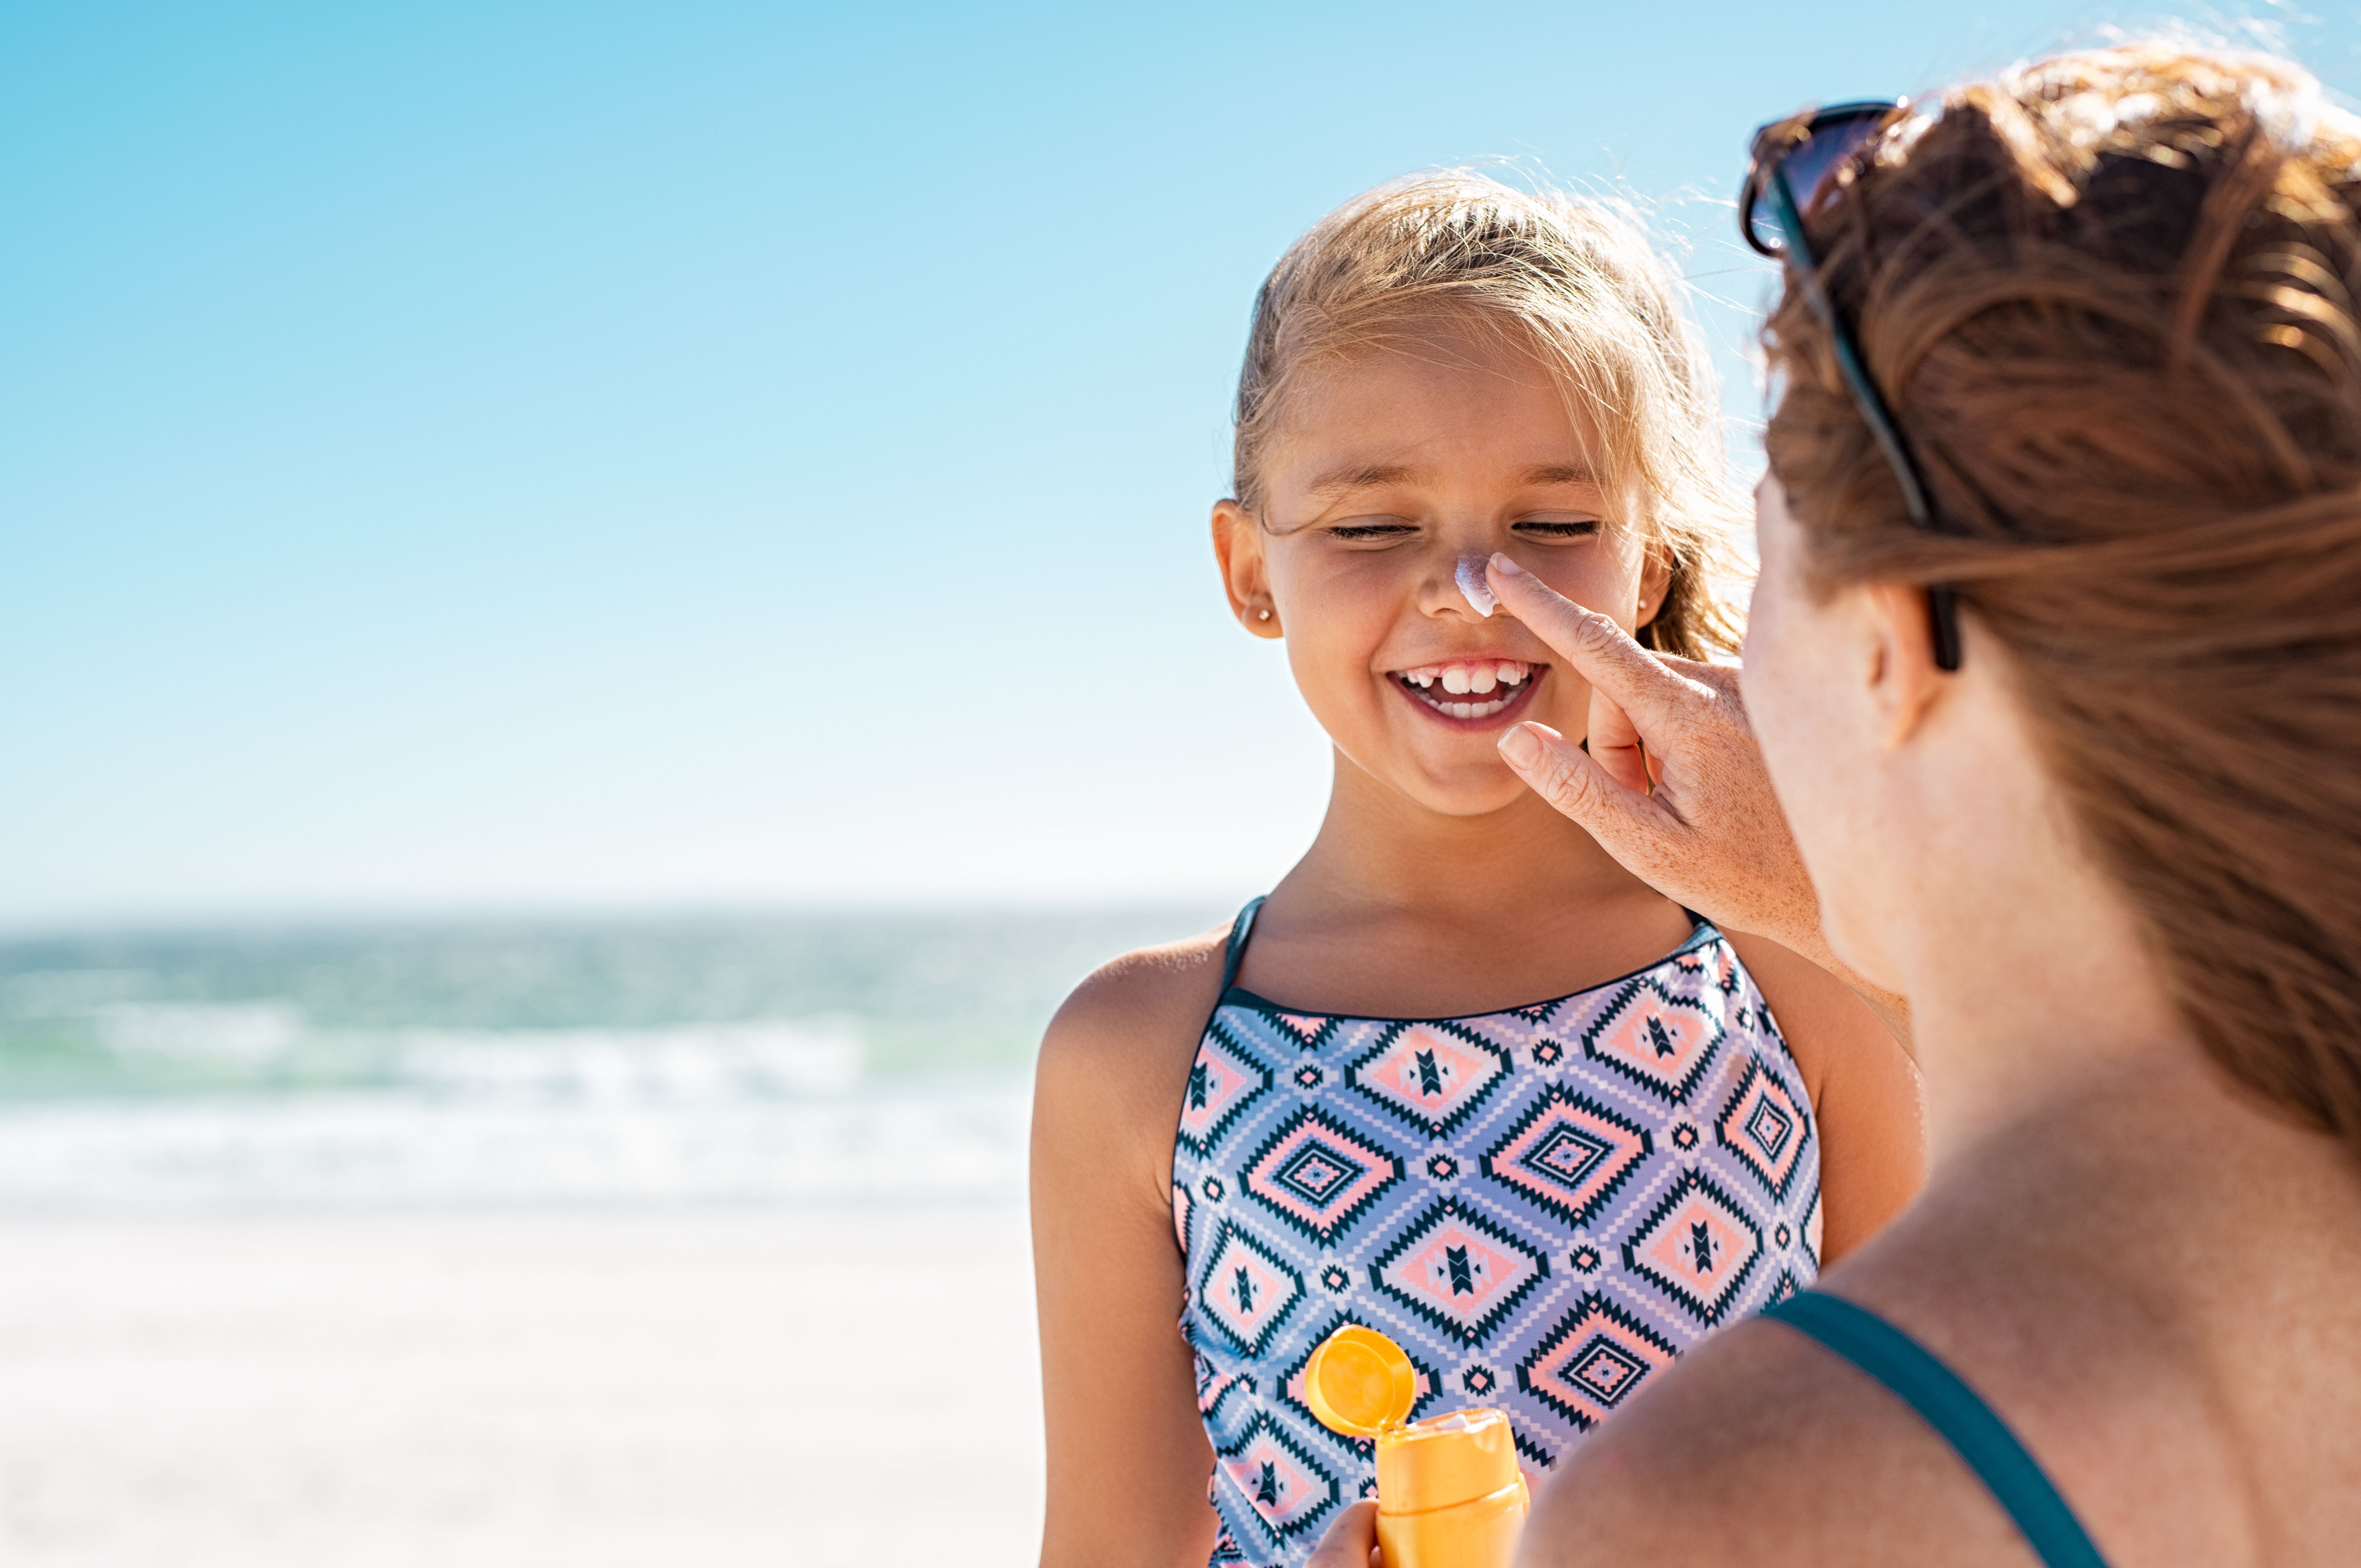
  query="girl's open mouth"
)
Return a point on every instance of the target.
[{"x": 1470, "y": 688}]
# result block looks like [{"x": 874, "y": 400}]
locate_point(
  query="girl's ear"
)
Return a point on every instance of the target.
[
  {"x": 1655, "y": 581},
  {"x": 1237, "y": 545}
]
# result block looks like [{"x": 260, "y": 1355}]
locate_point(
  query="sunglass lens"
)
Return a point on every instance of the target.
[{"x": 1811, "y": 166}]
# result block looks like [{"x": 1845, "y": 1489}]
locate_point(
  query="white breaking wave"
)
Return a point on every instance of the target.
[
  {"x": 760, "y": 1111},
  {"x": 691, "y": 1064},
  {"x": 405, "y": 1149}
]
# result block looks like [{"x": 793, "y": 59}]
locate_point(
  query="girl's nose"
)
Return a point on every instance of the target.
[{"x": 1469, "y": 577}]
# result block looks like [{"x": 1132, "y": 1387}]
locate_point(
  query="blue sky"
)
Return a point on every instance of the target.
[{"x": 540, "y": 456}]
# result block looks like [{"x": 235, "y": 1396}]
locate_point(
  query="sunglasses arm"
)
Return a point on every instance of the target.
[{"x": 1942, "y": 604}]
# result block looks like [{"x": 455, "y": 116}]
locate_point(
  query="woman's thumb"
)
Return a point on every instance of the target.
[{"x": 1558, "y": 771}]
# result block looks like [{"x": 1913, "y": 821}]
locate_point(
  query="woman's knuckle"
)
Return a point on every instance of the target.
[
  {"x": 1569, "y": 788},
  {"x": 1594, "y": 633}
]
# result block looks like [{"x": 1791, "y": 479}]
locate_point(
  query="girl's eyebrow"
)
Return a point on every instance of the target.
[
  {"x": 1359, "y": 477},
  {"x": 1559, "y": 473},
  {"x": 1365, "y": 475}
]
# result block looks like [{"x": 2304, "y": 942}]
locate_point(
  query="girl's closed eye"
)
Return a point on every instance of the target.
[
  {"x": 1567, "y": 527},
  {"x": 1372, "y": 529}
]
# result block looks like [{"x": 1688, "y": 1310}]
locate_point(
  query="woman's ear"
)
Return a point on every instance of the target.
[
  {"x": 1237, "y": 545},
  {"x": 1903, "y": 680}
]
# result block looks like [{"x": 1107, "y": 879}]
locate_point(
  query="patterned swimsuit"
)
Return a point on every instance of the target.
[{"x": 1543, "y": 1205}]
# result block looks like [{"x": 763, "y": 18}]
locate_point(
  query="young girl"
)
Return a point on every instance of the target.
[{"x": 1460, "y": 1076}]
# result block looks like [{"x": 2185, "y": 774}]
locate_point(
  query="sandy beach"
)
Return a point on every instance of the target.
[{"x": 765, "y": 1385}]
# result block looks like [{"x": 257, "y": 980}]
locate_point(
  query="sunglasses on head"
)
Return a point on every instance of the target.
[{"x": 1793, "y": 171}]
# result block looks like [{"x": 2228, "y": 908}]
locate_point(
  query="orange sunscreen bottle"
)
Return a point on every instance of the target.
[{"x": 1449, "y": 1493}]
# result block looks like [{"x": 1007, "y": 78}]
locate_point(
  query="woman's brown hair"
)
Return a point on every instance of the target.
[{"x": 2111, "y": 297}]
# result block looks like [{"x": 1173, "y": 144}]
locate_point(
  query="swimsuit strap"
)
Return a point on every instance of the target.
[
  {"x": 1240, "y": 929},
  {"x": 1957, "y": 1412}
]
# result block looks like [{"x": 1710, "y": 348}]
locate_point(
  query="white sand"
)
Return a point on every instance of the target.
[{"x": 716, "y": 1386}]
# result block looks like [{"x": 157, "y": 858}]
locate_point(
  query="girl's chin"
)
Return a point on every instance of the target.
[{"x": 1459, "y": 795}]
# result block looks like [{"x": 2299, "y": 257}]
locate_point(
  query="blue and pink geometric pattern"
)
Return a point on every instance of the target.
[{"x": 1543, "y": 1207}]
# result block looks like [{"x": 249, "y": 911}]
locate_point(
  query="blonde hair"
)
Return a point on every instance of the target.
[{"x": 1568, "y": 280}]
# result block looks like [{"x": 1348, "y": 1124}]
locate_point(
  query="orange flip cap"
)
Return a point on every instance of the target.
[{"x": 1359, "y": 1383}]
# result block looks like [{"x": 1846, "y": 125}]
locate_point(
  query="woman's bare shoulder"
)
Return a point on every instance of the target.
[
  {"x": 1124, "y": 1040},
  {"x": 1759, "y": 1447}
]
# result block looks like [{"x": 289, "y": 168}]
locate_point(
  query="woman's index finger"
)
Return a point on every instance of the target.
[{"x": 1600, "y": 650}]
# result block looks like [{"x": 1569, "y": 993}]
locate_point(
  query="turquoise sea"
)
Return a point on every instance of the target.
[{"x": 777, "y": 1057}]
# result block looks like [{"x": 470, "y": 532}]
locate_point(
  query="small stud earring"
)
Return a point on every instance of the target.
[{"x": 1262, "y": 615}]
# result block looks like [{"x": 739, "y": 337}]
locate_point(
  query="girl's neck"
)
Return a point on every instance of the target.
[
  {"x": 1379, "y": 851},
  {"x": 1401, "y": 912}
]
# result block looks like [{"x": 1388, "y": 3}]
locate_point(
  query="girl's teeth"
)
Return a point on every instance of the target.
[{"x": 1475, "y": 680}]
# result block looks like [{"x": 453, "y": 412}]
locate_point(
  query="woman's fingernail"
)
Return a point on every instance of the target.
[
  {"x": 1505, "y": 567},
  {"x": 1517, "y": 743}
]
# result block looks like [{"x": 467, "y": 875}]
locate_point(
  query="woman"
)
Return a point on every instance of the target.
[{"x": 2070, "y": 742}]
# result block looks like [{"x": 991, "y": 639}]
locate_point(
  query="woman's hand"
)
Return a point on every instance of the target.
[
  {"x": 1351, "y": 1542},
  {"x": 1673, "y": 784}
]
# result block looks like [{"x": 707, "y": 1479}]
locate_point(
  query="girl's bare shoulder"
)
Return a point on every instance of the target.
[
  {"x": 1120, "y": 1049},
  {"x": 1760, "y": 1447},
  {"x": 1830, "y": 1030}
]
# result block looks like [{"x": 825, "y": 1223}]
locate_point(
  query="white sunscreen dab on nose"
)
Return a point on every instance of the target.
[{"x": 1478, "y": 592}]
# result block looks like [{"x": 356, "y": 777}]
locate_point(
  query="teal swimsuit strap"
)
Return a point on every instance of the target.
[
  {"x": 1957, "y": 1412},
  {"x": 1240, "y": 930}
]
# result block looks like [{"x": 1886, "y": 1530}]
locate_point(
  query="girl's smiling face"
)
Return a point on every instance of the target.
[{"x": 1392, "y": 467}]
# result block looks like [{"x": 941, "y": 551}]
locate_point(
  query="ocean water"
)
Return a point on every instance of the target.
[
  {"x": 786, "y": 1059},
  {"x": 500, "y": 1244}
]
